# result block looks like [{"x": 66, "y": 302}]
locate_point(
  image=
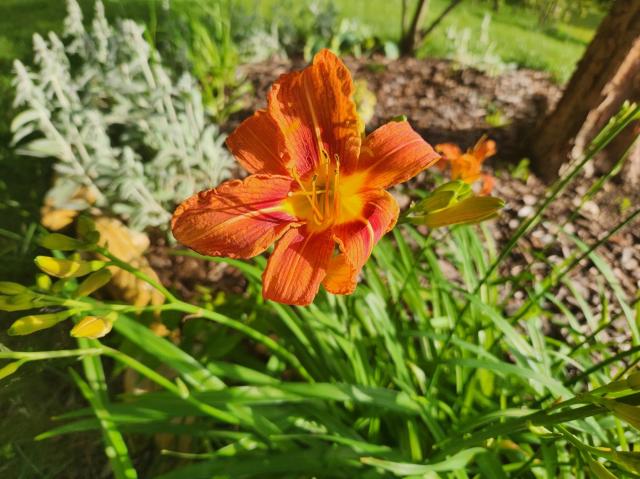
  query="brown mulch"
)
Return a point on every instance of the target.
[
  {"x": 449, "y": 104},
  {"x": 441, "y": 101}
]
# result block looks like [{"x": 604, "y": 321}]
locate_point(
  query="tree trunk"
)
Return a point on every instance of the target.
[
  {"x": 625, "y": 85},
  {"x": 403, "y": 19},
  {"x": 631, "y": 169},
  {"x": 606, "y": 54},
  {"x": 410, "y": 37}
]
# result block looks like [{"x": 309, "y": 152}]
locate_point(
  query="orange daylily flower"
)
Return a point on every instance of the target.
[
  {"x": 468, "y": 166},
  {"x": 316, "y": 186}
]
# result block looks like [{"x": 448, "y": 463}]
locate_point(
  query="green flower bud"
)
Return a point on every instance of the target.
[
  {"x": 630, "y": 460},
  {"x": 452, "y": 204},
  {"x": 87, "y": 229},
  {"x": 9, "y": 288},
  {"x": 628, "y": 413},
  {"x": 36, "y": 322},
  {"x": 67, "y": 268},
  {"x": 598, "y": 470},
  {"x": 60, "y": 242},
  {"x": 59, "y": 286},
  {"x": 18, "y": 302},
  {"x": 633, "y": 380},
  {"x": 94, "y": 282}
]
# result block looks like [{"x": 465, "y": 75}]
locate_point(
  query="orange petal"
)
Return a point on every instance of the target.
[
  {"x": 314, "y": 110},
  {"x": 488, "y": 182},
  {"x": 258, "y": 145},
  {"x": 357, "y": 239},
  {"x": 450, "y": 151},
  {"x": 393, "y": 154},
  {"x": 239, "y": 219},
  {"x": 297, "y": 266},
  {"x": 466, "y": 168},
  {"x": 484, "y": 149}
]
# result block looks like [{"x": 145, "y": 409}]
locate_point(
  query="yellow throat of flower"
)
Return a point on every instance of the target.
[{"x": 325, "y": 198}]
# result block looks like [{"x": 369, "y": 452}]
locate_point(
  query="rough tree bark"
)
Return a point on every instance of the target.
[
  {"x": 610, "y": 48},
  {"x": 625, "y": 85}
]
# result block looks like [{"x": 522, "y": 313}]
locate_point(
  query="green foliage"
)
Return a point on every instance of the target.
[
  {"x": 199, "y": 37},
  {"x": 425, "y": 371},
  {"x": 307, "y": 27},
  {"x": 124, "y": 135},
  {"x": 549, "y": 10},
  {"x": 477, "y": 52},
  {"x": 515, "y": 35},
  {"x": 522, "y": 170}
]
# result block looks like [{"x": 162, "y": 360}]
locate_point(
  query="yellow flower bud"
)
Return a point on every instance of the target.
[
  {"x": 93, "y": 327},
  {"x": 67, "y": 268},
  {"x": 452, "y": 204},
  {"x": 43, "y": 281},
  {"x": 11, "y": 368},
  {"x": 36, "y": 322},
  {"x": 94, "y": 282},
  {"x": 9, "y": 288},
  {"x": 470, "y": 210},
  {"x": 60, "y": 242}
]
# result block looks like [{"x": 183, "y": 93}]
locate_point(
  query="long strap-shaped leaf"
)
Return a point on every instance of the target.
[{"x": 95, "y": 391}]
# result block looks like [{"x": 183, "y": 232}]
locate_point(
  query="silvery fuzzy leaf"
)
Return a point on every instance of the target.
[{"x": 41, "y": 148}]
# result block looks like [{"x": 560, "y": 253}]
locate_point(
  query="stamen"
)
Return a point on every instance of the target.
[
  {"x": 314, "y": 203},
  {"x": 306, "y": 193},
  {"x": 327, "y": 182},
  {"x": 313, "y": 188}
]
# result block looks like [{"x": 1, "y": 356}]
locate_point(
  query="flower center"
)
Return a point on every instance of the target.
[
  {"x": 318, "y": 199},
  {"x": 328, "y": 197}
]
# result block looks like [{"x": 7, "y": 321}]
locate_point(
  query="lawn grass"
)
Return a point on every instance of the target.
[{"x": 518, "y": 38}]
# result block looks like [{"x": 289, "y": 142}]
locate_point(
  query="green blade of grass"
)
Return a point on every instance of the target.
[
  {"x": 95, "y": 393},
  {"x": 194, "y": 373}
]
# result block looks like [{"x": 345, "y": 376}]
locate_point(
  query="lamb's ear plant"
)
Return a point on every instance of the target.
[{"x": 127, "y": 137}]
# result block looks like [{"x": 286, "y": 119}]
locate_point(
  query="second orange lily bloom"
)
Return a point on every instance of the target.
[
  {"x": 316, "y": 186},
  {"x": 468, "y": 166}
]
